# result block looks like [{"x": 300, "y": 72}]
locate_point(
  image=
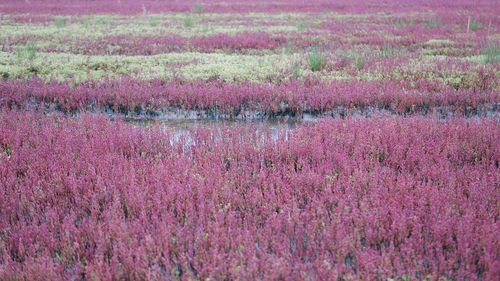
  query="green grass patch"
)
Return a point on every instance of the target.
[
  {"x": 153, "y": 22},
  {"x": 317, "y": 60},
  {"x": 387, "y": 51},
  {"x": 360, "y": 61},
  {"x": 475, "y": 25},
  {"x": 27, "y": 52},
  {"x": 438, "y": 42},
  {"x": 433, "y": 23},
  {"x": 60, "y": 22},
  {"x": 188, "y": 21},
  {"x": 302, "y": 26},
  {"x": 491, "y": 53}
]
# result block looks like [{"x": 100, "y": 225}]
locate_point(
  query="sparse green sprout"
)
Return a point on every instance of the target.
[
  {"x": 153, "y": 21},
  {"x": 205, "y": 28},
  {"x": 100, "y": 21},
  {"x": 360, "y": 62},
  {"x": 433, "y": 23},
  {"x": 188, "y": 21},
  {"x": 317, "y": 61},
  {"x": 27, "y": 52},
  {"x": 491, "y": 53},
  {"x": 175, "y": 273},
  {"x": 439, "y": 42},
  {"x": 8, "y": 150},
  {"x": 84, "y": 21},
  {"x": 296, "y": 72},
  {"x": 387, "y": 51},
  {"x": 302, "y": 26},
  {"x": 60, "y": 22},
  {"x": 399, "y": 23},
  {"x": 287, "y": 49},
  {"x": 475, "y": 25},
  {"x": 197, "y": 9}
]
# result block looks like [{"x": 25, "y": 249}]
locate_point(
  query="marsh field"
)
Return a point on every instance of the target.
[{"x": 250, "y": 140}]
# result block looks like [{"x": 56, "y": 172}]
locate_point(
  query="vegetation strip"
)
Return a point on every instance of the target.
[{"x": 370, "y": 199}]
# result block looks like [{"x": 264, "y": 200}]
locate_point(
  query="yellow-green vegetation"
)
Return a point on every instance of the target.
[
  {"x": 438, "y": 42},
  {"x": 491, "y": 53},
  {"x": 190, "y": 66},
  {"x": 430, "y": 69},
  {"x": 28, "y": 57},
  {"x": 229, "y": 67},
  {"x": 196, "y": 23},
  {"x": 185, "y": 25},
  {"x": 317, "y": 61}
]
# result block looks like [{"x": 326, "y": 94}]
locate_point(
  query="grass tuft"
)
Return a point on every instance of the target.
[
  {"x": 475, "y": 25},
  {"x": 28, "y": 52},
  {"x": 60, "y": 22},
  {"x": 360, "y": 61},
  {"x": 302, "y": 26},
  {"x": 433, "y": 23},
  {"x": 491, "y": 53},
  {"x": 153, "y": 22},
  {"x": 317, "y": 61},
  {"x": 387, "y": 51},
  {"x": 188, "y": 21}
]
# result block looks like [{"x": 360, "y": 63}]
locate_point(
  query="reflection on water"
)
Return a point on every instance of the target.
[
  {"x": 184, "y": 122},
  {"x": 183, "y": 129}
]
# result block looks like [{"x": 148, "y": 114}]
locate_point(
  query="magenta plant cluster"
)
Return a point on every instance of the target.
[
  {"x": 356, "y": 199},
  {"x": 404, "y": 186},
  {"x": 79, "y": 7},
  {"x": 131, "y": 95}
]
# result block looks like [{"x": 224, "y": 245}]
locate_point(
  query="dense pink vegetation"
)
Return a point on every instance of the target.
[
  {"x": 158, "y": 6},
  {"x": 405, "y": 196},
  {"x": 329, "y": 41},
  {"x": 153, "y": 45},
  {"x": 89, "y": 198},
  {"x": 289, "y": 98}
]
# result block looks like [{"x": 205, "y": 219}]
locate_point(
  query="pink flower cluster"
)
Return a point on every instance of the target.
[{"x": 402, "y": 198}]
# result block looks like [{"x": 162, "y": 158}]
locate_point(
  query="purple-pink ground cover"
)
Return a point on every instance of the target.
[
  {"x": 358, "y": 199},
  {"x": 130, "y": 95},
  {"x": 79, "y": 7},
  {"x": 388, "y": 198}
]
